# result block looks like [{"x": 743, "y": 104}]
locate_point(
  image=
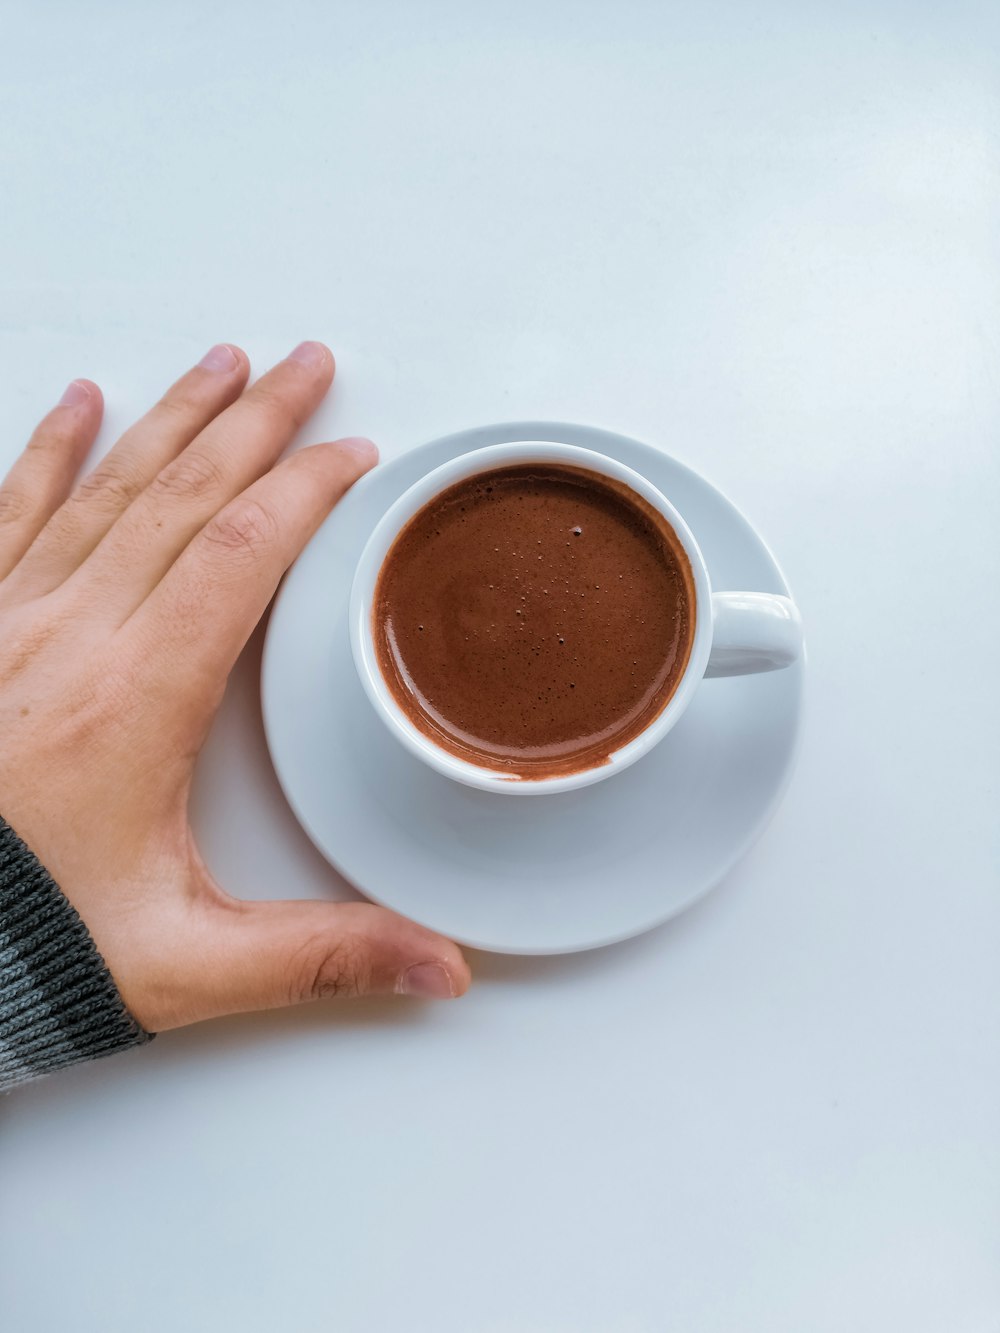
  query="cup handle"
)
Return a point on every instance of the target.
[{"x": 752, "y": 632}]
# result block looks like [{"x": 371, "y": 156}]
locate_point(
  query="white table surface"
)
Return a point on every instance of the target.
[{"x": 765, "y": 237}]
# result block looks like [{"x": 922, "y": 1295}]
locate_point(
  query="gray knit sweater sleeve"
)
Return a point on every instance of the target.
[{"x": 58, "y": 1002}]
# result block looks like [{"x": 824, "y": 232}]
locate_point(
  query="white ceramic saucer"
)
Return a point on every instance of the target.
[{"x": 548, "y": 875}]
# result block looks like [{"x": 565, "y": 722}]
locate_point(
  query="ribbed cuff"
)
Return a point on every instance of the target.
[{"x": 58, "y": 1002}]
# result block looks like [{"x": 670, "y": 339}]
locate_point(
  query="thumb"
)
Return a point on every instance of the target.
[{"x": 280, "y": 953}]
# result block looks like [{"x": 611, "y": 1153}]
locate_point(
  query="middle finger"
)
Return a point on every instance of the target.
[{"x": 229, "y": 454}]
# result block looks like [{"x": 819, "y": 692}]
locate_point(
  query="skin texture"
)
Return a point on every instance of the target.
[{"x": 125, "y": 600}]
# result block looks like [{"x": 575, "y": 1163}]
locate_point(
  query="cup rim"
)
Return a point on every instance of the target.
[{"x": 377, "y": 548}]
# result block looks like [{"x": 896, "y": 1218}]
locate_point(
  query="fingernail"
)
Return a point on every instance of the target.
[
  {"x": 76, "y": 393},
  {"x": 365, "y": 450},
  {"x": 221, "y": 359},
  {"x": 309, "y": 354},
  {"x": 428, "y": 980}
]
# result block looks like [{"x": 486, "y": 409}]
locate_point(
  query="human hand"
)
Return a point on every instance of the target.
[{"x": 124, "y": 603}]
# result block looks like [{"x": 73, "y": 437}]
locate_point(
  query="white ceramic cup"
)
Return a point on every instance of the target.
[{"x": 736, "y": 633}]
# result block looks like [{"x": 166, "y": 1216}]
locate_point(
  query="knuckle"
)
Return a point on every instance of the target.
[
  {"x": 325, "y": 970},
  {"x": 108, "y": 488},
  {"x": 50, "y": 438},
  {"x": 246, "y": 527},
  {"x": 14, "y": 506},
  {"x": 178, "y": 406},
  {"x": 284, "y": 408},
  {"x": 102, "y": 703},
  {"x": 92, "y": 708},
  {"x": 192, "y": 477},
  {"x": 23, "y": 645}
]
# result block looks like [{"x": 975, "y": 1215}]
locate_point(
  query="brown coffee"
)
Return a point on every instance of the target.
[{"x": 535, "y": 618}]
